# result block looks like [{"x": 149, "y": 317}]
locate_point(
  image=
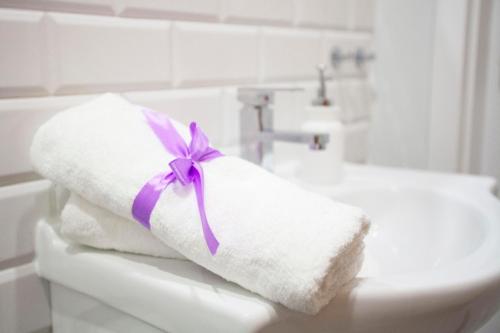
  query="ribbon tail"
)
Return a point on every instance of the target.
[
  {"x": 148, "y": 196},
  {"x": 166, "y": 133},
  {"x": 212, "y": 242}
]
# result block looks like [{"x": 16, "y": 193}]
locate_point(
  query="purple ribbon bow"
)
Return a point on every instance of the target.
[{"x": 185, "y": 168}]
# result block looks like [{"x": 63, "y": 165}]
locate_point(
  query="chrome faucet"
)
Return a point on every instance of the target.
[{"x": 256, "y": 126}]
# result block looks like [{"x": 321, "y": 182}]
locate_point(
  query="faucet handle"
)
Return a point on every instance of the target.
[
  {"x": 337, "y": 57},
  {"x": 361, "y": 57}
]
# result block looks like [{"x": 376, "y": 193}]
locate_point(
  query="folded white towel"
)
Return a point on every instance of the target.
[
  {"x": 287, "y": 244},
  {"x": 88, "y": 224}
]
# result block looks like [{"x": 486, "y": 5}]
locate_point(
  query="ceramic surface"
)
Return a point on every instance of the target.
[{"x": 432, "y": 265}]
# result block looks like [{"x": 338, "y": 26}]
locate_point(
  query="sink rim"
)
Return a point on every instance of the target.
[
  {"x": 465, "y": 276},
  {"x": 491, "y": 222}
]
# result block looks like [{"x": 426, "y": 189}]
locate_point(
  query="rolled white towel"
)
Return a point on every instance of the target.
[
  {"x": 276, "y": 239},
  {"x": 91, "y": 225}
]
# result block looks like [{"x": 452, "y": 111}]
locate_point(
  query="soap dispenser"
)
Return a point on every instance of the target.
[{"x": 324, "y": 166}]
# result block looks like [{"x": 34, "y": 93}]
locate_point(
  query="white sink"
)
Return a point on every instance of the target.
[
  {"x": 416, "y": 229},
  {"x": 432, "y": 255},
  {"x": 432, "y": 265}
]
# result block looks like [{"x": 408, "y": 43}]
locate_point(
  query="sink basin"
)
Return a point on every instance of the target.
[
  {"x": 431, "y": 265},
  {"x": 416, "y": 229}
]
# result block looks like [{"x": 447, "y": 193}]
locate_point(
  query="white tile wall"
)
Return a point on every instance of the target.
[
  {"x": 323, "y": 13},
  {"x": 200, "y": 10},
  {"x": 279, "y": 12},
  {"x": 21, "y": 206},
  {"x": 23, "y": 62},
  {"x": 74, "y": 54},
  {"x": 201, "y": 105},
  {"x": 210, "y": 54},
  {"x": 95, "y": 54},
  {"x": 363, "y": 14},
  {"x": 338, "y": 13},
  {"x": 311, "y": 12},
  {"x": 19, "y": 119},
  {"x": 231, "y": 121},
  {"x": 289, "y": 54},
  {"x": 356, "y": 98}
]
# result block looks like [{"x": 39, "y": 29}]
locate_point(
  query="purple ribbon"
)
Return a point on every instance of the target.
[{"x": 185, "y": 168}]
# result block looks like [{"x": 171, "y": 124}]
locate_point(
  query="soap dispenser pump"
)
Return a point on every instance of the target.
[
  {"x": 321, "y": 99},
  {"x": 326, "y": 166}
]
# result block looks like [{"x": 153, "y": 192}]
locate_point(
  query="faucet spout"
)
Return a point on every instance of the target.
[{"x": 315, "y": 141}]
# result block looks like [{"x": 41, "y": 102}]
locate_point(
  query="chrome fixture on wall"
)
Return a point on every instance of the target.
[
  {"x": 257, "y": 131},
  {"x": 360, "y": 57}
]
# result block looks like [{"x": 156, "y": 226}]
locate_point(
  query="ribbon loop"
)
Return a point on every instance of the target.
[{"x": 186, "y": 168}]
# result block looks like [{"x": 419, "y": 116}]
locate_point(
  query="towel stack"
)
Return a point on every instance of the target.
[{"x": 276, "y": 239}]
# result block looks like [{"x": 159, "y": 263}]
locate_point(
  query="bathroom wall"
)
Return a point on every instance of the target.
[
  {"x": 403, "y": 76},
  {"x": 183, "y": 57},
  {"x": 486, "y": 138},
  {"x": 437, "y": 79}
]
